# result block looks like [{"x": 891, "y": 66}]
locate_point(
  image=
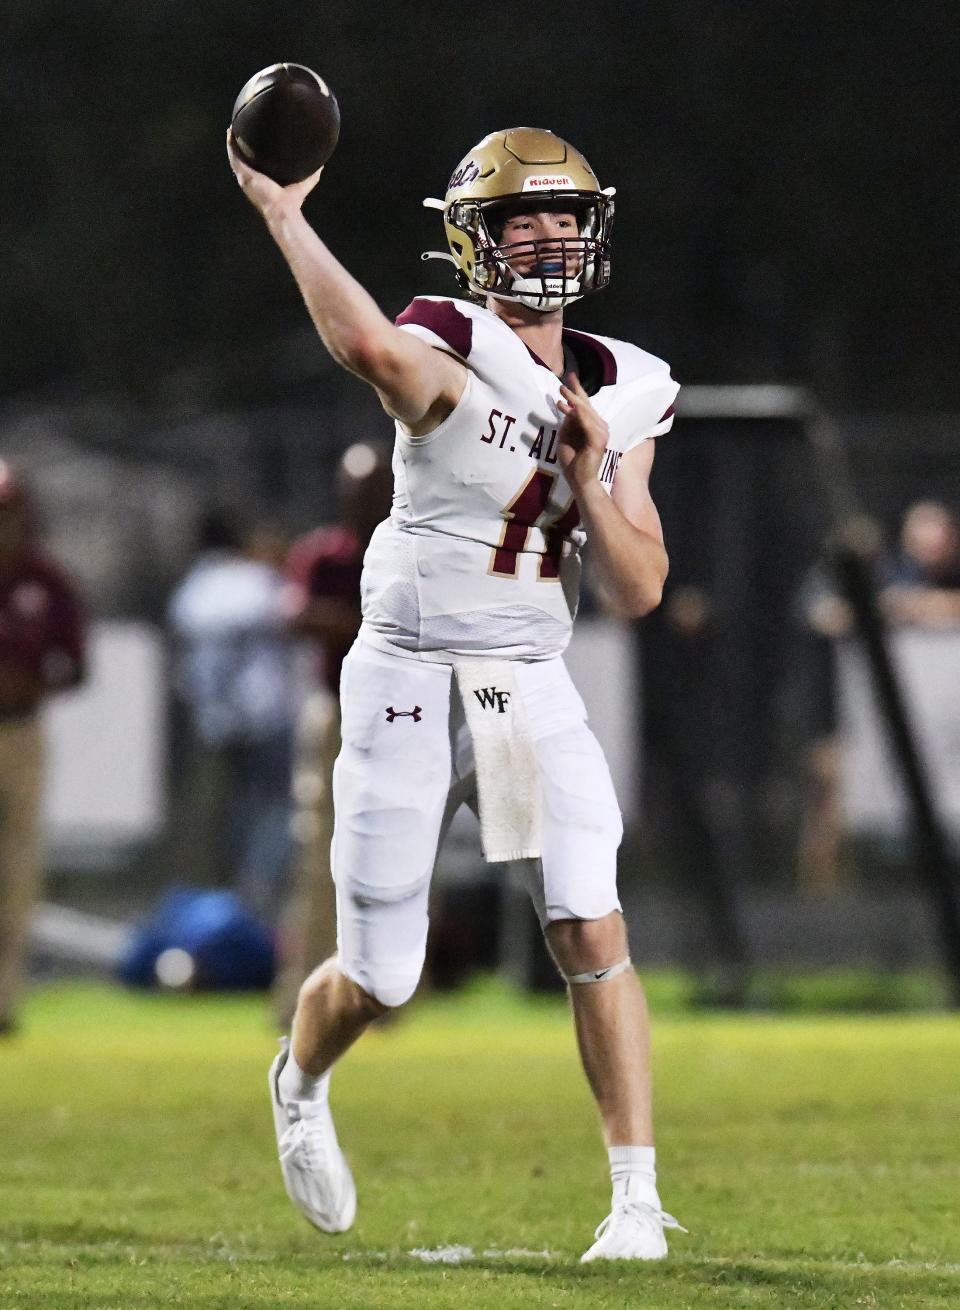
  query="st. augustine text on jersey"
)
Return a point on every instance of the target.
[
  {"x": 542, "y": 447},
  {"x": 530, "y": 506}
]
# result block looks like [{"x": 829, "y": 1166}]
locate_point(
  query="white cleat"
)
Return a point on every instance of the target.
[
  {"x": 632, "y": 1231},
  {"x": 315, "y": 1171}
]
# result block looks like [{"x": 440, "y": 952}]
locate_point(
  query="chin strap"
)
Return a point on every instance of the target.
[
  {"x": 530, "y": 291},
  {"x": 598, "y": 975}
]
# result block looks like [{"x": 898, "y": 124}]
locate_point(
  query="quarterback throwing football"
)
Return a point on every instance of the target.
[{"x": 517, "y": 439}]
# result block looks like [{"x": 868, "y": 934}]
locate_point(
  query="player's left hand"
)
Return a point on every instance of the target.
[{"x": 582, "y": 437}]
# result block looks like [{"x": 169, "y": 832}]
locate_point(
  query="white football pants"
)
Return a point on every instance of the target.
[{"x": 406, "y": 766}]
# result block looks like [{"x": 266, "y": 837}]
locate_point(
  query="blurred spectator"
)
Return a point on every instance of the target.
[
  {"x": 42, "y": 650},
  {"x": 823, "y": 616},
  {"x": 919, "y": 585},
  {"x": 323, "y": 570},
  {"x": 922, "y": 581},
  {"x": 234, "y": 676}
]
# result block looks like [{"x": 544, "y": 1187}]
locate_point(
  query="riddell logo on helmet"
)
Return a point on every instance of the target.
[{"x": 542, "y": 181}]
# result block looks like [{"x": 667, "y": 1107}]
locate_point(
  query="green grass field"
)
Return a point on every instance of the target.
[{"x": 815, "y": 1160}]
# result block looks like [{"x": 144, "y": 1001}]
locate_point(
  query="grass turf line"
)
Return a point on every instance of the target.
[{"x": 814, "y": 1159}]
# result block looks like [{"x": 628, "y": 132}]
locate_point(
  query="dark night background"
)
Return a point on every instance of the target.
[{"x": 786, "y": 172}]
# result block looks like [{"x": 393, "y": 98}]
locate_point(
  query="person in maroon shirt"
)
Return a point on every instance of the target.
[
  {"x": 42, "y": 650},
  {"x": 323, "y": 569}
]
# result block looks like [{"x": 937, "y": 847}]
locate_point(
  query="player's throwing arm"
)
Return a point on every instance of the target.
[{"x": 416, "y": 384}]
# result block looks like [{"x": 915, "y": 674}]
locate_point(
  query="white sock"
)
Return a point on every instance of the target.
[
  {"x": 295, "y": 1084},
  {"x": 633, "y": 1172}
]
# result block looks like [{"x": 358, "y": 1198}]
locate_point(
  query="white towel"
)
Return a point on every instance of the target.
[{"x": 508, "y": 781}]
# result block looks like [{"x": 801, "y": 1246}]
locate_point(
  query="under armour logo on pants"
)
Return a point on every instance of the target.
[{"x": 416, "y": 714}]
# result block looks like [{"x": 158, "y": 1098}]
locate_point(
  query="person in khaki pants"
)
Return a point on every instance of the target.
[{"x": 42, "y": 650}]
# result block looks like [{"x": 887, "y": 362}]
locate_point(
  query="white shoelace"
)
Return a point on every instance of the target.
[
  {"x": 638, "y": 1213},
  {"x": 306, "y": 1145}
]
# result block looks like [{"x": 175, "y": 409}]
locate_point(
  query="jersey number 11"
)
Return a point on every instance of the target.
[{"x": 524, "y": 512}]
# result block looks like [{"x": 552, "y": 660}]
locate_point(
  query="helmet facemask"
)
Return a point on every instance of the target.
[{"x": 553, "y": 271}]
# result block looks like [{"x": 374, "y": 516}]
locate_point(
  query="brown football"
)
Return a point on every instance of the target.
[{"x": 285, "y": 122}]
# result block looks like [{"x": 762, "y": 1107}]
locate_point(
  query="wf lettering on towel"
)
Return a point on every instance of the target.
[{"x": 491, "y": 699}]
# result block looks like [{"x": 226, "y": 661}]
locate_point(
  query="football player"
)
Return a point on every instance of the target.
[{"x": 516, "y": 440}]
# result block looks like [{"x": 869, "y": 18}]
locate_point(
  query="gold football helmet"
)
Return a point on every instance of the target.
[{"x": 526, "y": 169}]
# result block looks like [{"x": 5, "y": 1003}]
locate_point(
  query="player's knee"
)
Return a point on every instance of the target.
[
  {"x": 367, "y": 898},
  {"x": 375, "y": 1000},
  {"x": 331, "y": 976},
  {"x": 383, "y": 937},
  {"x": 393, "y": 993},
  {"x": 581, "y": 944},
  {"x": 387, "y": 985}
]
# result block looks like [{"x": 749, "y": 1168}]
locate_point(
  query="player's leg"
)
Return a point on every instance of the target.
[
  {"x": 334, "y": 1009},
  {"x": 612, "y": 1024},
  {"x": 391, "y": 783},
  {"x": 377, "y": 967},
  {"x": 578, "y": 905},
  {"x": 613, "y": 1037}
]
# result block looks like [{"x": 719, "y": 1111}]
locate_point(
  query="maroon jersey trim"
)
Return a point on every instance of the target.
[
  {"x": 606, "y": 357},
  {"x": 443, "y": 319}
]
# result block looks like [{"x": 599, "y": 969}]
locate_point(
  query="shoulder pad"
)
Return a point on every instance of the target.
[{"x": 440, "y": 322}]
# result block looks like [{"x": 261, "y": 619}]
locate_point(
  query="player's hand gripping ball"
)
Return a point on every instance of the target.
[{"x": 285, "y": 123}]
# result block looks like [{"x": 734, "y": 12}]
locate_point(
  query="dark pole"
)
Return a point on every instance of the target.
[{"x": 848, "y": 555}]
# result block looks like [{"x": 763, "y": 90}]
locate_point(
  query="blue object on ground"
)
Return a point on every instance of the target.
[{"x": 230, "y": 950}]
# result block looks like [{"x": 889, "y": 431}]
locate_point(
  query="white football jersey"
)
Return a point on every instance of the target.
[{"x": 481, "y": 552}]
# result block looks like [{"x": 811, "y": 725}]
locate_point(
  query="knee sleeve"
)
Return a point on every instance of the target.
[{"x": 598, "y": 975}]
